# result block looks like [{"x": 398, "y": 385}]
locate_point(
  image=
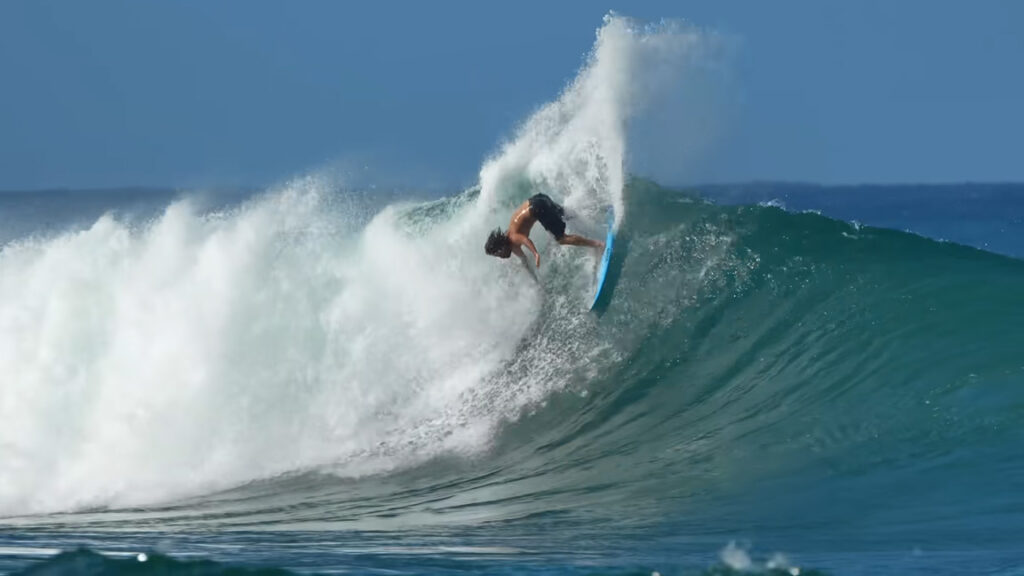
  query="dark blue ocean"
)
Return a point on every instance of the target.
[{"x": 786, "y": 379}]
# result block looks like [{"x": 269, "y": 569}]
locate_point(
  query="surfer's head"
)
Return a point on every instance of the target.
[{"x": 498, "y": 244}]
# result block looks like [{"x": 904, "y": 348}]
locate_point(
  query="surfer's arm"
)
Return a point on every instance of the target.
[
  {"x": 529, "y": 244},
  {"x": 533, "y": 274},
  {"x": 519, "y": 240},
  {"x": 522, "y": 258}
]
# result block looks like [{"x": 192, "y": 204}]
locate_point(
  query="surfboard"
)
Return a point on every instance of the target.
[{"x": 606, "y": 258}]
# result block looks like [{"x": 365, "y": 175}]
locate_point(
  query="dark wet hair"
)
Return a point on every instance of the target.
[{"x": 496, "y": 242}]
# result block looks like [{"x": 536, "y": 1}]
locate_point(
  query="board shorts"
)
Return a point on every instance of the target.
[{"x": 549, "y": 214}]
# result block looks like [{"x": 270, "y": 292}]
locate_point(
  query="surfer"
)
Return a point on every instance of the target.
[{"x": 539, "y": 208}]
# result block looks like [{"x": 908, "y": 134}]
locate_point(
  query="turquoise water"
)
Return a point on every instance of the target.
[{"x": 764, "y": 389}]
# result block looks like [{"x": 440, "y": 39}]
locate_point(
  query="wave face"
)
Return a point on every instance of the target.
[
  {"x": 300, "y": 362},
  {"x": 788, "y": 377},
  {"x": 196, "y": 351}
]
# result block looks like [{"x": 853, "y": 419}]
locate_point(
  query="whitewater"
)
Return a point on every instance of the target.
[{"x": 319, "y": 379}]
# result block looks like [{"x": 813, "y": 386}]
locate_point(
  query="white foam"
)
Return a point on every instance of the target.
[
  {"x": 202, "y": 351},
  {"x": 737, "y": 557}
]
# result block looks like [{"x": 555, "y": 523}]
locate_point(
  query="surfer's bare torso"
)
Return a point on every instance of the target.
[{"x": 519, "y": 231}]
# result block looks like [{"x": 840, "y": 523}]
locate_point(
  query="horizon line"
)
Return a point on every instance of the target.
[{"x": 155, "y": 188}]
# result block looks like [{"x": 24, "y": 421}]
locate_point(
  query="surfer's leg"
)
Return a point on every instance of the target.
[{"x": 574, "y": 240}]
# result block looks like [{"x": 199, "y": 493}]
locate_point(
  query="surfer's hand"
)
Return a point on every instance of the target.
[{"x": 538, "y": 260}]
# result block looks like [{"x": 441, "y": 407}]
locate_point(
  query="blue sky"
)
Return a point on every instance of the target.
[{"x": 418, "y": 93}]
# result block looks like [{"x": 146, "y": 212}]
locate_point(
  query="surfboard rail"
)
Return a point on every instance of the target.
[{"x": 602, "y": 271}]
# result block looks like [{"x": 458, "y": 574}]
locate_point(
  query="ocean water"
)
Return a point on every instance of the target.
[{"x": 785, "y": 380}]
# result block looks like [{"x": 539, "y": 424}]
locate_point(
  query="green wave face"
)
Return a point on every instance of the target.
[{"x": 789, "y": 368}]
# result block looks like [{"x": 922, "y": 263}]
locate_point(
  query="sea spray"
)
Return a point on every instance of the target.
[
  {"x": 575, "y": 148},
  {"x": 148, "y": 362}
]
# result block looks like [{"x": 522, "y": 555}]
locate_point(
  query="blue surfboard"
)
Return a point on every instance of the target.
[{"x": 606, "y": 258}]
